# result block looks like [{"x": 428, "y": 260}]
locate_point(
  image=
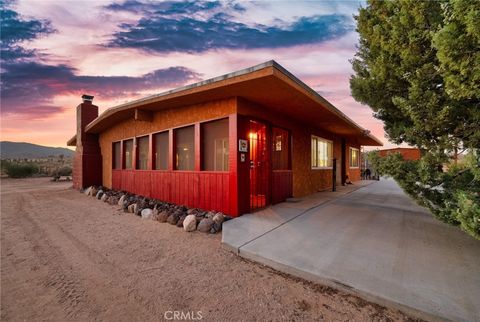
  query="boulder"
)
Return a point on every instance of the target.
[
  {"x": 217, "y": 227},
  {"x": 147, "y": 213},
  {"x": 205, "y": 225},
  {"x": 173, "y": 219},
  {"x": 113, "y": 200},
  {"x": 209, "y": 214},
  {"x": 99, "y": 194},
  {"x": 155, "y": 213},
  {"x": 163, "y": 216},
  {"x": 180, "y": 220},
  {"x": 190, "y": 223},
  {"x": 218, "y": 218},
  {"x": 87, "y": 191},
  {"x": 121, "y": 200},
  {"x": 104, "y": 197},
  {"x": 131, "y": 207},
  {"x": 93, "y": 192}
]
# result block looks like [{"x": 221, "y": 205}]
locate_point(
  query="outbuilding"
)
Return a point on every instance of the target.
[{"x": 234, "y": 143}]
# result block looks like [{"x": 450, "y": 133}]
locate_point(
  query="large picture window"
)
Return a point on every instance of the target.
[
  {"x": 160, "y": 158},
  {"x": 322, "y": 153},
  {"x": 142, "y": 153},
  {"x": 281, "y": 149},
  {"x": 215, "y": 145},
  {"x": 185, "y": 148},
  {"x": 116, "y": 155},
  {"x": 354, "y": 158},
  {"x": 128, "y": 153}
]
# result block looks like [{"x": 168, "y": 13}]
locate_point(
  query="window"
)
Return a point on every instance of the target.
[
  {"x": 160, "y": 157},
  {"x": 281, "y": 149},
  {"x": 117, "y": 156},
  {"x": 142, "y": 153},
  {"x": 354, "y": 158},
  {"x": 215, "y": 145},
  {"x": 128, "y": 153},
  {"x": 185, "y": 148},
  {"x": 322, "y": 153}
]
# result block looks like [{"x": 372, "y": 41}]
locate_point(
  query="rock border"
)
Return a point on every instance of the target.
[{"x": 191, "y": 219}]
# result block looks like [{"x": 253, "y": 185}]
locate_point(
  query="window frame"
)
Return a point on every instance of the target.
[
  {"x": 137, "y": 152},
  {"x": 225, "y": 139},
  {"x": 154, "y": 149},
  {"x": 116, "y": 166},
  {"x": 124, "y": 159},
  {"x": 318, "y": 138},
  {"x": 174, "y": 147},
  {"x": 350, "y": 158}
]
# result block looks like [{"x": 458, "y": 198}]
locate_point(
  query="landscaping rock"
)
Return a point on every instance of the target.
[
  {"x": 93, "y": 192},
  {"x": 147, "y": 213},
  {"x": 131, "y": 207},
  {"x": 113, "y": 200},
  {"x": 217, "y": 227},
  {"x": 87, "y": 191},
  {"x": 104, "y": 197},
  {"x": 218, "y": 218},
  {"x": 205, "y": 225},
  {"x": 180, "y": 221},
  {"x": 209, "y": 214},
  {"x": 163, "y": 216},
  {"x": 121, "y": 200},
  {"x": 173, "y": 219},
  {"x": 190, "y": 223},
  {"x": 155, "y": 213},
  {"x": 99, "y": 194}
]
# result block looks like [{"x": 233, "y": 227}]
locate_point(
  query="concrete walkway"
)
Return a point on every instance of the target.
[{"x": 373, "y": 241}]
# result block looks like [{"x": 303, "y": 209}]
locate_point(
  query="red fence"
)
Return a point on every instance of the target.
[
  {"x": 202, "y": 189},
  {"x": 281, "y": 185}
]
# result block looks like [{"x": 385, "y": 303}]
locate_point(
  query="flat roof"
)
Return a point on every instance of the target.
[{"x": 268, "y": 84}]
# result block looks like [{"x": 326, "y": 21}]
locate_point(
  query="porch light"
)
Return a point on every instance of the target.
[{"x": 252, "y": 135}]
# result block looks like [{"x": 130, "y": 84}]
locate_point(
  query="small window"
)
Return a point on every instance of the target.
[
  {"x": 128, "y": 153},
  {"x": 117, "y": 156},
  {"x": 354, "y": 158},
  {"x": 185, "y": 148},
  {"x": 142, "y": 153},
  {"x": 215, "y": 145},
  {"x": 281, "y": 149},
  {"x": 160, "y": 158},
  {"x": 322, "y": 153}
]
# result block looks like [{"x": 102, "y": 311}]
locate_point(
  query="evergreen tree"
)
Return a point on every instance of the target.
[{"x": 418, "y": 68}]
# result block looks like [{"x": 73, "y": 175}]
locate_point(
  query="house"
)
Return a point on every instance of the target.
[
  {"x": 407, "y": 153},
  {"x": 234, "y": 143}
]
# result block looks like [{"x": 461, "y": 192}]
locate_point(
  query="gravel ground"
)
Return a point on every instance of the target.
[{"x": 69, "y": 257}]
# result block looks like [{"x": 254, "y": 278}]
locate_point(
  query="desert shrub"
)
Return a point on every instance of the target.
[
  {"x": 63, "y": 171},
  {"x": 20, "y": 170}
]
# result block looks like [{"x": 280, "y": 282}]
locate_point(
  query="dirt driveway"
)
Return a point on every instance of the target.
[{"x": 66, "y": 256}]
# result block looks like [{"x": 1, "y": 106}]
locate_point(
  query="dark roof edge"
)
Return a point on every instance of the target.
[{"x": 270, "y": 63}]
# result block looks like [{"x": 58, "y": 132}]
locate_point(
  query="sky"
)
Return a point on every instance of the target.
[{"x": 52, "y": 52}]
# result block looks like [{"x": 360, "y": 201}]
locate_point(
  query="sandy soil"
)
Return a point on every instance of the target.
[{"x": 66, "y": 256}]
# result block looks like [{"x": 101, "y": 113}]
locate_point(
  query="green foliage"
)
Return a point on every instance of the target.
[
  {"x": 418, "y": 68},
  {"x": 18, "y": 170}
]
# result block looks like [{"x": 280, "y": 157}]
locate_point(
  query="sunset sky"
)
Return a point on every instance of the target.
[{"x": 54, "y": 51}]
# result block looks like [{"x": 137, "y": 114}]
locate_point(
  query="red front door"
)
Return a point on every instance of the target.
[{"x": 258, "y": 165}]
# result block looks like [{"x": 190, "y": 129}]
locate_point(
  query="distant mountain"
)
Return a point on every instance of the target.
[{"x": 21, "y": 150}]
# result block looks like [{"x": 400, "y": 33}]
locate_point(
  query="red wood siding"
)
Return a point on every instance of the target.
[
  {"x": 202, "y": 189},
  {"x": 282, "y": 184}
]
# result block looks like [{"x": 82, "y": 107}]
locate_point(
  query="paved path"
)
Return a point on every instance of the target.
[{"x": 374, "y": 241}]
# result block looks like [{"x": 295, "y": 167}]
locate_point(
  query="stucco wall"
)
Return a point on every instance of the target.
[{"x": 162, "y": 120}]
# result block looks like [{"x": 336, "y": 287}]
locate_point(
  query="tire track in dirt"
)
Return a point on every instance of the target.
[{"x": 80, "y": 276}]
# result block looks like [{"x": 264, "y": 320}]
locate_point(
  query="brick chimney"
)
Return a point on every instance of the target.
[{"x": 87, "y": 163}]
